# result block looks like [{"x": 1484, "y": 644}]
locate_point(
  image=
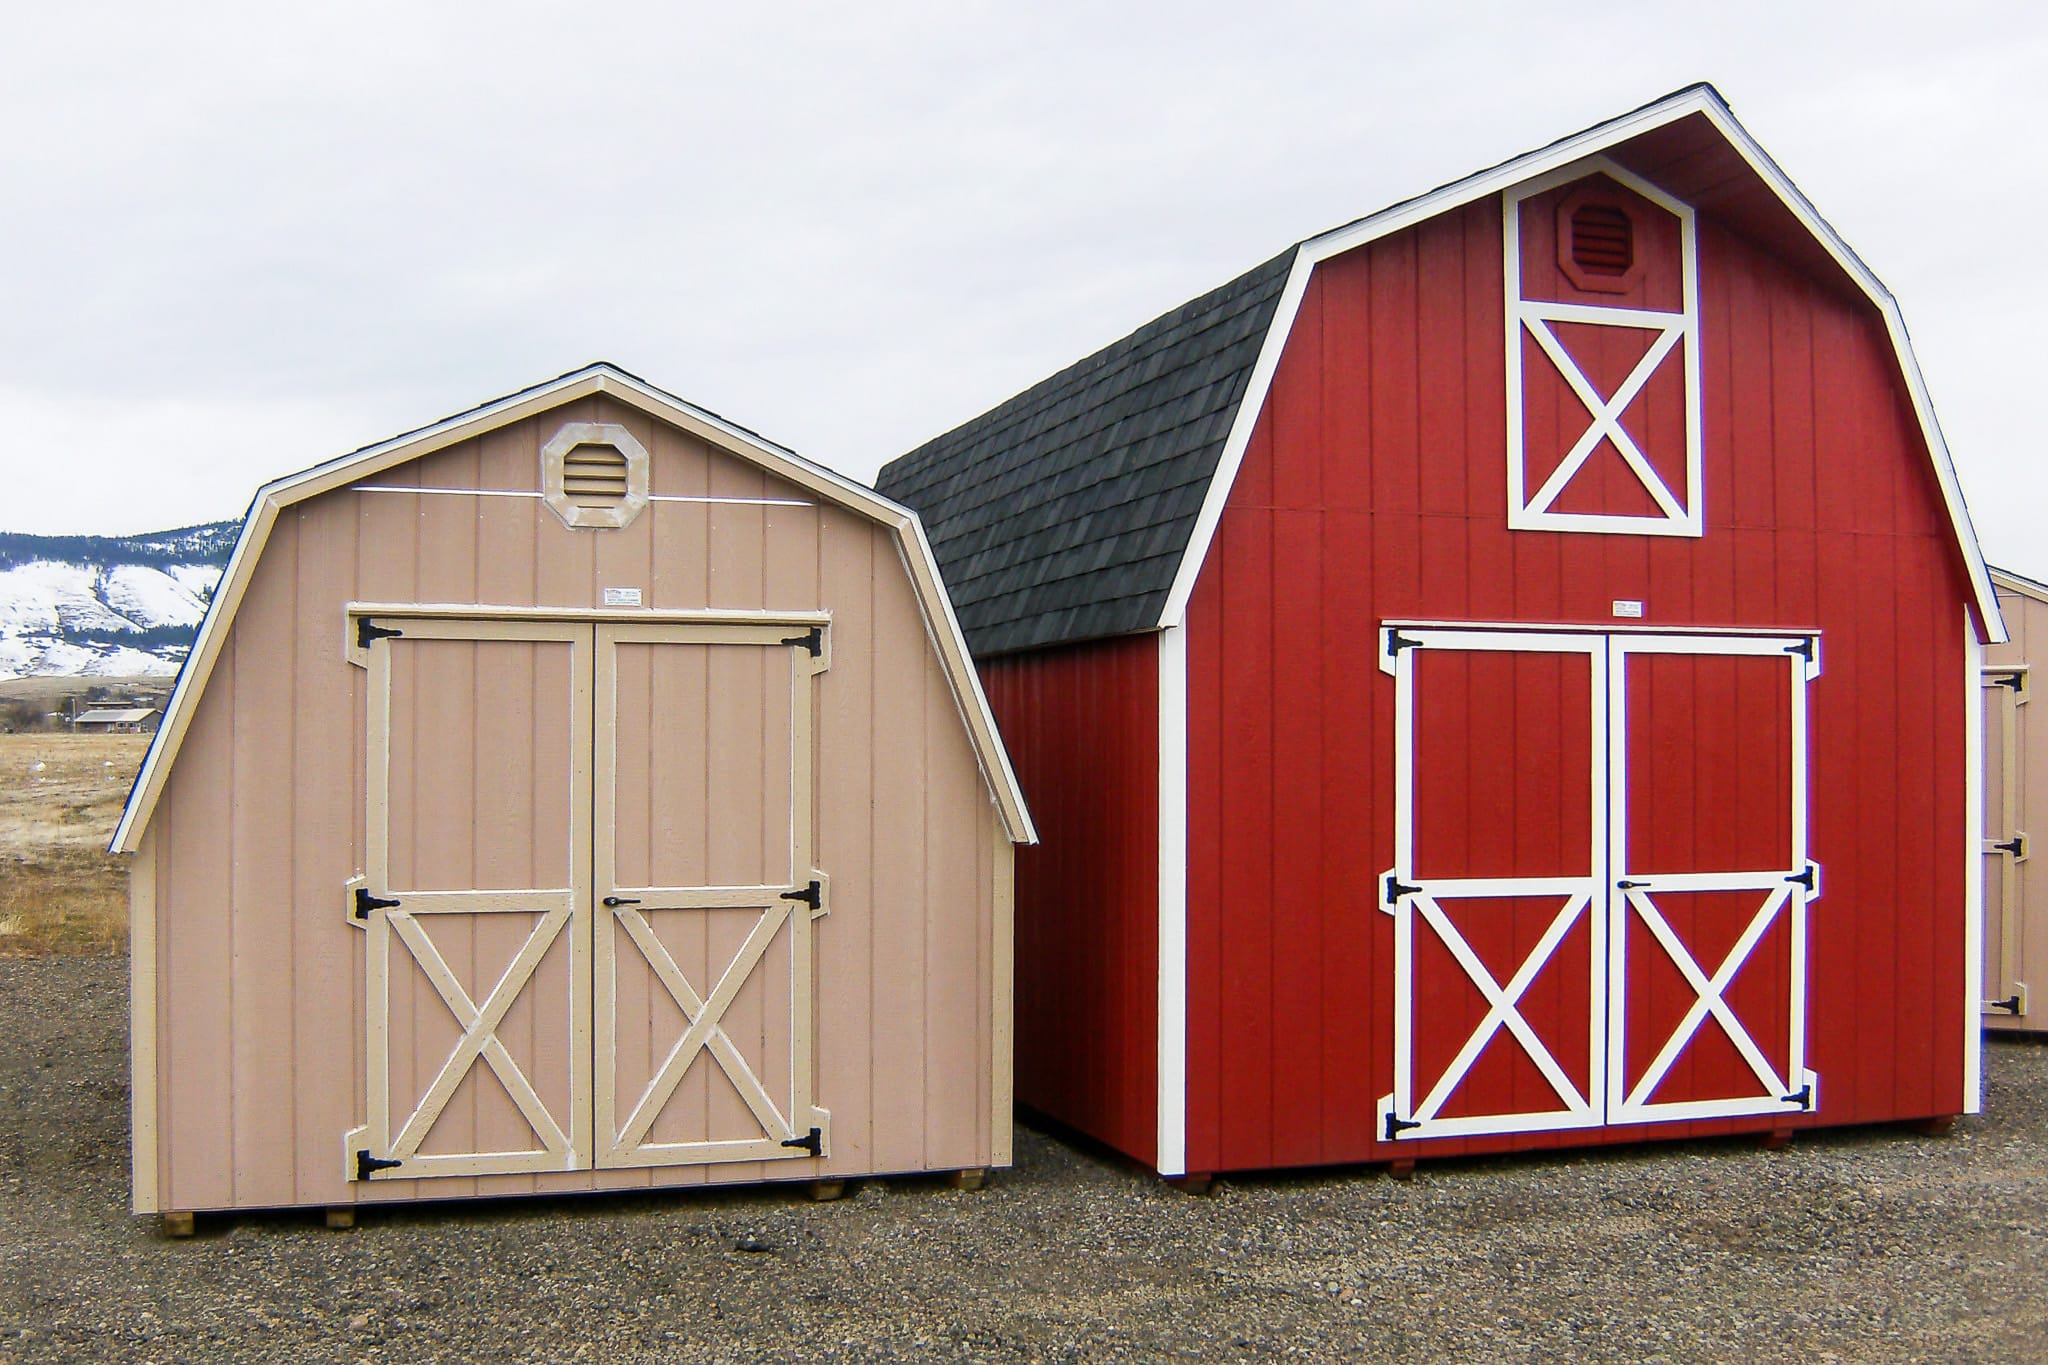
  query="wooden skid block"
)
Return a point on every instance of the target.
[
  {"x": 825, "y": 1191},
  {"x": 341, "y": 1217},
  {"x": 178, "y": 1225}
]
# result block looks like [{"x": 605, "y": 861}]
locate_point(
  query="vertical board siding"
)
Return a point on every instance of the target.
[
  {"x": 2026, "y": 618},
  {"x": 1373, "y": 489},
  {"x": 259, "y": 974},
  {"x": 1083, "y": 725}
]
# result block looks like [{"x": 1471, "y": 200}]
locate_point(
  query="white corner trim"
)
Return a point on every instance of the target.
[
  {"x": 1173, "y": 902},
  {"x": 1697, "y": 100},
  {"x": 1973, "y": 870}
]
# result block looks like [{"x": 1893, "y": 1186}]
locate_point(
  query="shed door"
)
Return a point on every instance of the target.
[
  {"x": 1601, "y": 879},
  {"x": 474, "y": 899},
  {"x": 707, "y": 892},
  {"x": 1711, "y": 879},
  {"x": 1496, "y": 891},
  {"x": 2005, "y": 841},
  {"x": 587, "y": 895}
]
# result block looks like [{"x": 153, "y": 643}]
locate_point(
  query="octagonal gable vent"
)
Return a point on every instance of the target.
[{"x": 594, "y": 474}]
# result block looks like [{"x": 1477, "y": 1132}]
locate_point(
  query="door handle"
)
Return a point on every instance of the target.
[
  {"x": 615, "y": 901},
  {"x": 1624, "y": 886}
]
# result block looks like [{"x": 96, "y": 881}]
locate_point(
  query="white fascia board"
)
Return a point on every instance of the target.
[
  {"x": 1580, "y": 147},
  {"x": 2019, "y": 583},
  {"x": 279, "y": 494}
]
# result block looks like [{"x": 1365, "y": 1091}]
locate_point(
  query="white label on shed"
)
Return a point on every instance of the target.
[
  {"x": 630, "y": 597},
  {"x": 1623, "y": 608}
]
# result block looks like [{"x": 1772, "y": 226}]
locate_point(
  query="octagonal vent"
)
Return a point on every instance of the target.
[{"x": 594, "y": 474}]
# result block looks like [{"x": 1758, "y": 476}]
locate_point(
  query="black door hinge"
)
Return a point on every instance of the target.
[
  {"x": 1803, "y": 1097},
  {"x": 2011, "y": 1004},
  {"x": 365, "y": 1163},
  {"x": 1803, "y": 647},
  {"x": 1804, "y": 879},
  {"x": 1397, "y": 1126},
  {"x": 2013, "y": 680},
  {"x": 2016, "y": 846},
  {"x": 368, "y": 630},
  {"x": 813, "y": 1141},
  {"x": 1397, "y": 889},
  {"x": 365, "y": 903},
  {"x": 1396, "y": 642},
  {"x": 812, "y": 895},
  {"x": 812, "y": 639}
]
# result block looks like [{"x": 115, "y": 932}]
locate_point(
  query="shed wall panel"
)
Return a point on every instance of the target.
[
  {"x": 1084, "y": 728},
  {"x": 259, "y": 975},
  {"x": 1363, "y": 491},
  {"x": 2026, "y": 617}
]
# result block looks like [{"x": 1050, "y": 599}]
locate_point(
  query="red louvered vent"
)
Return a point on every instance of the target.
[{"x": 1603, "y": 240}]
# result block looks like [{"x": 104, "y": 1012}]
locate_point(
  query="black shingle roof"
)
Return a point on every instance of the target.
[{"x": 1062, "y": 514}]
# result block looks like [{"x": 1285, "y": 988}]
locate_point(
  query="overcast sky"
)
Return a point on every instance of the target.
[{"x": 237, "y": 240}]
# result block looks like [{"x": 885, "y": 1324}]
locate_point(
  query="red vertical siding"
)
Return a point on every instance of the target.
[
  {"x": 1082, "y": 724},
  {"x": 1374, "y": 489}
]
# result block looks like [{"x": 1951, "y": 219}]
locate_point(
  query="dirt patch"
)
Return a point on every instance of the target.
[{"x": 60, "y": 798}]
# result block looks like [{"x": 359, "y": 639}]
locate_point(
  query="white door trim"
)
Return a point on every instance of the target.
[
  {"x": 1409, "y": 898},
  {"x": 1787, "y": 890},
  {"x": 1610, "y": 894}
]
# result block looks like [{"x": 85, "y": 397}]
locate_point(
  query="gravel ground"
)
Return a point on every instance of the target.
[{"x": 1877, "y": 1244}]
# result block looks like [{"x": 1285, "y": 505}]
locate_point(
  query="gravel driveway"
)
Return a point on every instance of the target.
[{"x": 1876, "y": 1244}]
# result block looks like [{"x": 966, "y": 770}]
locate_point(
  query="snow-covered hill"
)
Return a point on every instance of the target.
[{"x": 106, "y": 606}]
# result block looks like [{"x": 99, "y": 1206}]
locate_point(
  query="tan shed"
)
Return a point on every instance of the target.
[
  {"x": 579, "y": 793},
  {"x": 2015, "y": 764}
]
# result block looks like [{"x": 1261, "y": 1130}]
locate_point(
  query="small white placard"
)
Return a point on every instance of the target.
[
  {"x": 1621, "y": 608},
  {"x": 630, "y": 597}
]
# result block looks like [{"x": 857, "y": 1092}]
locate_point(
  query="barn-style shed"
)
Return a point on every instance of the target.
[
  {"x": 579, "y": 793},
  {"x": 1501, "y": 674},
  {"x": 2015, "y": 770}
]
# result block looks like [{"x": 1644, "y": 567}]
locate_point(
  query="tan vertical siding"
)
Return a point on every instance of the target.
[
  {"x": 2026, "y": 618},
  {"x": 259, "y": 974}
]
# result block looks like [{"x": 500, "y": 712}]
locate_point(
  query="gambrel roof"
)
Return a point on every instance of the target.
[
  {"x": 1066, "y": 510},
  {"x": 600, "y": 378},
  {"x": 1084, "y": 506}
]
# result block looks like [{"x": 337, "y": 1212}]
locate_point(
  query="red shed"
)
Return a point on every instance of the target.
[{"x": 1501, "y": 674}]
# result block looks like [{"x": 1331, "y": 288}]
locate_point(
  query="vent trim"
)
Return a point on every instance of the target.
[{"x": 593, "y": 475}]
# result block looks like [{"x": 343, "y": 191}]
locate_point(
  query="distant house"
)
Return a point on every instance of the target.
[{"x": 128, "y": 720}]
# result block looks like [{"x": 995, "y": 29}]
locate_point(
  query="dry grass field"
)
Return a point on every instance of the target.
[{"x": 60, "y": 795}]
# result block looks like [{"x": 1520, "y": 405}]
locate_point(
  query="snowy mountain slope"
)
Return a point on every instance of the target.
[{"x": 106, "y": 606}]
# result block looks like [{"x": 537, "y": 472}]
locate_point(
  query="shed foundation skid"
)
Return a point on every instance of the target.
[
  {"x": 1501, "y": 675},
  {"x": 578, "y": 794}
]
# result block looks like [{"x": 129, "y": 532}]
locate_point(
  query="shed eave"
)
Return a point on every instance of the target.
[
  {"x": 1699, "y": 99},
  {"x": 942, "y": 627}
]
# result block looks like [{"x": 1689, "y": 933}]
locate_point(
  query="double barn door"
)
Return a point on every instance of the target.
[
  {"x": 587, "y": 894},
  {"x": 1601, "y": 879}
]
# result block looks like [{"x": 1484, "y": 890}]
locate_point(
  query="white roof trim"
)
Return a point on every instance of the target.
[
  {"x": 941, "y": 624},
  {"x": 2019, "y": 583},
  {"x": 1696, "y": 100}
]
